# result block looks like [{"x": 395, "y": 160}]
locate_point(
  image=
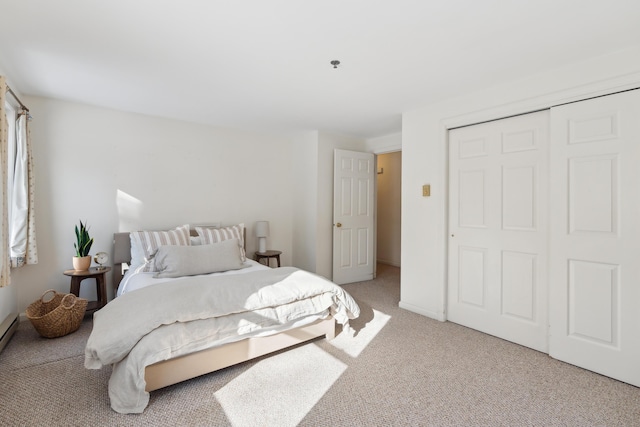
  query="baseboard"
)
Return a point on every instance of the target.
[
  {"x": 387, "y": 262},
  {"x": 7, "y": 329},
  {"x": 420, "y": 310}
]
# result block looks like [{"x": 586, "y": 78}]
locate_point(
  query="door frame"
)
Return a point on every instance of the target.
[
  {"x": 382, "y": 145},
  {"x": 388, "y": 144}
]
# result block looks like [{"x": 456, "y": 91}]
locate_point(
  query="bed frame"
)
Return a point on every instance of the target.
[{"x": 172, "y": 371}]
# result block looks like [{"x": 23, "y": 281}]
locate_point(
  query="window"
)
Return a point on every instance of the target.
[
  {"x": 19, "y": 212},
  {"x": 11, "y": 111},
  {"x": 17, "y": 209}
]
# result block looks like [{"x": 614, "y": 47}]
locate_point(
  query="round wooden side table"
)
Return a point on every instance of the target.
[
  {"x": 267, "y": 255},
  {"x": 101, "y": 285}
]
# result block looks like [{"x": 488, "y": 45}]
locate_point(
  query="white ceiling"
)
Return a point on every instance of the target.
[{"x": 265, "y": 64}]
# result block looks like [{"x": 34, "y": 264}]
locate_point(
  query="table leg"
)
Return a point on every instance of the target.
[
  {"x": 101, "y": 291},
  {"x": 75, "y": 285}
]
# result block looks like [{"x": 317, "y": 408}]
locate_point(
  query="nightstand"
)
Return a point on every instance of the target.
[
  {"x": 268, "y": 255},
  {"x": 101, "y": 285}
]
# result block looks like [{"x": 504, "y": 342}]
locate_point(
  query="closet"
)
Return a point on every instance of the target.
[{"x": 544, "y": 225}]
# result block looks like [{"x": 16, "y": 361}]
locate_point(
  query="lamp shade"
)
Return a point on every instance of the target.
[{"x": 262, "y": 229}]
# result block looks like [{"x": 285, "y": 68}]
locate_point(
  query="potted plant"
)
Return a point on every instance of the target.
[{"x": 82, "y": 260}]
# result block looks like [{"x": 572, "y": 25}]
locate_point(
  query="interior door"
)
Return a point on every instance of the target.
[
  {"x": 498, "y": 192},
  {"x": 353, "y": 216},
  {"x": 595, "y": 235}
]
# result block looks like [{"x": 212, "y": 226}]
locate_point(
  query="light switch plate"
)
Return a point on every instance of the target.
[{"x": 426, "y": 190}]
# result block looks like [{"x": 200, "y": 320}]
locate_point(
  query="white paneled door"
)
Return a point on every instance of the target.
[
  {"x": 353, "y": 216},
  {"x": 498, "y": 211},
  {"x": 595, "y": 235}
]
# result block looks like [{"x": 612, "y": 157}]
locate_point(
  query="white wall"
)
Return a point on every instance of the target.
[
  {"x": 389, "y": 208},
  {"x": 304, "y": 155},
  {"x": 424, "y": 159},
  {"x": 122, "y": 171}
]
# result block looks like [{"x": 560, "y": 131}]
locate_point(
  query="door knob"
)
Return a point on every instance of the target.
[{"x": 338, "y": 225}]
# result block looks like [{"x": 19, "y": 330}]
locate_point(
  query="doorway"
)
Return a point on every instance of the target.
[{"x": 388, "y": 205}]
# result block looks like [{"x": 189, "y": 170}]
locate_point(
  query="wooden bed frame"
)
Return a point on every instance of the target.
[{"x": 172, "y": 371}]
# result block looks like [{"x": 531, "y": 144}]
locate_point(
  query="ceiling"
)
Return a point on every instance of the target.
[{"x": 257, "y": 64}]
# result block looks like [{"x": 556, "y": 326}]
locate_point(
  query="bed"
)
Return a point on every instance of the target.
[{"x": 174, "y": 320}]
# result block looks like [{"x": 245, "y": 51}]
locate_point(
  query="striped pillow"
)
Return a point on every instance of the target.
[
  {"x": 148, "y": 242},
  {"x": 215, "y": 235}
]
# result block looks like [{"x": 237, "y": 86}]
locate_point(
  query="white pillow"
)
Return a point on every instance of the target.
[
  {"x": 144, "y": 245},
  {"x": 178, "y": 261},
  {"x": 216, "y": 235},
  {"x": 137, "y": 254}
]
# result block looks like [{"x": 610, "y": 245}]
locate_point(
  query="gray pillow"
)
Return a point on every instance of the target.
[{"x": 177, "y": 261}]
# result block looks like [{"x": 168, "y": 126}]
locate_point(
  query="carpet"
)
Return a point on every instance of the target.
[{"x": 398, "y": 368}]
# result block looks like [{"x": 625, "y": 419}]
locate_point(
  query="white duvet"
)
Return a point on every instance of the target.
[{"x": 188, "y": 314}]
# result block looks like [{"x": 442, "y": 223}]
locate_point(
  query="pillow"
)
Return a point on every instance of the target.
[
  {"x": 144, "y": 245},
  {"x": 215, "y": 235},
  {"x": 177, "y": 261}
]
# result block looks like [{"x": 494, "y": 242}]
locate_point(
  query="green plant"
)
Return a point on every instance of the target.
[{"x": 83, "y": 241}]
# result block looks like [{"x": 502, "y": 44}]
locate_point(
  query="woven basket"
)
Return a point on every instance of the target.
[{"x": 58, "y": 316}]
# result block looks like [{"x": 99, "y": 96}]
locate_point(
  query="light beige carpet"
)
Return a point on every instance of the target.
[{"x": 399, "y": 369}]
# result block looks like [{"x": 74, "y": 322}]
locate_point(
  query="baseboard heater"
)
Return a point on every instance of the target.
[{"x": 7, "y": 329}]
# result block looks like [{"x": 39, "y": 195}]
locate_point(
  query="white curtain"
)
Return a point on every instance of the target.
[
  {"x": 4, "y": 211},
  {"x": 22, "y": 238}
]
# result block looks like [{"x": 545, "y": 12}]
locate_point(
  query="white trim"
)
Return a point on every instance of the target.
[
  {"x": 387, "y": 262},
  {"x": 545, "y": 101},
  {"x": 388, "y": 149},
  {"x": 420, "y": 310},
  {"x": 385, "y": 144}
]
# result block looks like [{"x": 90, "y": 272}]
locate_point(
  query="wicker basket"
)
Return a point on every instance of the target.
[{"x": 58, "y": 316}]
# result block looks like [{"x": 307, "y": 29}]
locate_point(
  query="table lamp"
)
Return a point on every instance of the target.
[{"x": 262, "y": 232}]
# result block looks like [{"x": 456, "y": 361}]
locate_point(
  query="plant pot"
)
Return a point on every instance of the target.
[{"x": 81, "y": 263}]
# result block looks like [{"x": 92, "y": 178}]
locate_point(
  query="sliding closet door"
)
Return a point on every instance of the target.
[
  {"x": 595, "y": 235},
  {"x": 498, "y": 193}
]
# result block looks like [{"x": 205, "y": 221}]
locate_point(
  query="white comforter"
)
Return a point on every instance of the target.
[{"x": 189, "y": 314}]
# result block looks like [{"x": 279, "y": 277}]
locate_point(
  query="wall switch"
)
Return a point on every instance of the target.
[{"x": 426, "y": 190}]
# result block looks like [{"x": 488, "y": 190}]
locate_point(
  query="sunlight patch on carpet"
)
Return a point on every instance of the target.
[
  {"x": 280, "y": 390},
  {"x": 353, "y": 345}
]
